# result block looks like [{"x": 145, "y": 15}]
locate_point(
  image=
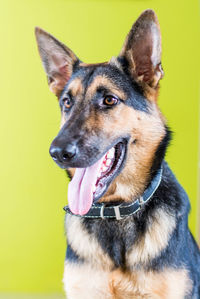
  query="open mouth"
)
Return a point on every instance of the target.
[
  {"x": 110, "y": 167},
  {"x": 89, "y": 184}
]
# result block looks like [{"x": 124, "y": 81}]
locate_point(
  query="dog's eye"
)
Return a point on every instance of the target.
[
  {"x": 110, "y": 101},
  {"x": 67, "y": 103}
]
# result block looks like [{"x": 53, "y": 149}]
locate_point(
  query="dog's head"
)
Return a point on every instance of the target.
[{"x": 112, "y": 135}]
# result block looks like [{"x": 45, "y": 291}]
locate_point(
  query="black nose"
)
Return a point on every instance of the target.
[{"x": 62, "y": 155}]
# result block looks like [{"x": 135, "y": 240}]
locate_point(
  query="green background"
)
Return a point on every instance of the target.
[{"x": 33, "y": 189}]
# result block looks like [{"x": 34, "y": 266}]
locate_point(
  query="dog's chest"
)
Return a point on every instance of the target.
[
  {"x": 102, "y": 251},
  {"x": 126, "y": 244},
  {"x": 95, "y": 242},
  {"x": 85, "y": 282}
]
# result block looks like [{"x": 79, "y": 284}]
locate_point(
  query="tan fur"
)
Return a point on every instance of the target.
[
  {"x": 82, "y": 281},
  {"x": 148, "y": 131},
  {"x": 85, "y": 244},
  {"x": 58, "y": 83},
  {"x": 150, "y": 93},
  {"x": 86, "y": 282},
  {"x": 107, "y": 83},
  {"x": 71, "y": 171},
  {"x": 154, "y": 240},
  {"x": 76, "y": 87},
  {"x": 169, "y": 284},
  {"x": 95, "y": 278}
]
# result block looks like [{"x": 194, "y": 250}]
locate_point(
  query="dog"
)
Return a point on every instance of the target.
[{"x": 127, "y": 219}]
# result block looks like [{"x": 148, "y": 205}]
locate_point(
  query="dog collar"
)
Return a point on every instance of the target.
[{"x": 100, "y": 210}]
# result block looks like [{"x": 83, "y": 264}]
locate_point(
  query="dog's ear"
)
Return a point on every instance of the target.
[
  {"x": 141, "y": 52},
  {"x": 58, "y": 60}
]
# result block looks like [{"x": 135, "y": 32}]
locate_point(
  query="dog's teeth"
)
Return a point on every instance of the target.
[
  {"x": 112, "y": 150},
  {"x": 108, "y": 162},
  {"x": 111, "y": 153},
  {"x": 94, "y": 188},
  {"x": 104, "y": 168}
]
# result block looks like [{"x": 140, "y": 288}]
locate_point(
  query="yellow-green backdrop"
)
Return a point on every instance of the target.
[{"x": 33, "y": 189}]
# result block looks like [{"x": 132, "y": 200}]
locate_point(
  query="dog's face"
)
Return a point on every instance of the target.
[{"x": 111, "y": 127}]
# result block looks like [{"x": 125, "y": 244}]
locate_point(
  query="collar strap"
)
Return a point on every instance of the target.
[{"x": 100, "y": 210}]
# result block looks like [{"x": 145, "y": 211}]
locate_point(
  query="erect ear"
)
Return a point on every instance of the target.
[
  {"x": 57, "y": 59},
  {"x": 142, "y": 53}
]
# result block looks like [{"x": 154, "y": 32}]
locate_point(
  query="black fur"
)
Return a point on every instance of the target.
[
  {"x": 161, "y": 151},
  {"x": 72, "y": 256},
  {"x": 117, "y": 237}
]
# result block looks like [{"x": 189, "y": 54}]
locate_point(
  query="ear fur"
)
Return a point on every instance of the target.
[
  {"x": 142, "y": 53},
  {"x": 57, "y": 59}
]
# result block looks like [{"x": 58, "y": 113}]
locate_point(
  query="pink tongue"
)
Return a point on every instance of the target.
[{"x": 80, "y": 193}]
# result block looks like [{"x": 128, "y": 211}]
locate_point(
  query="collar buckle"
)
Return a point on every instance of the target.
[
  {"x": 141, "y": 200},
  {"x": 102, "y": 211},
  {"x": 117, "y": 212}
]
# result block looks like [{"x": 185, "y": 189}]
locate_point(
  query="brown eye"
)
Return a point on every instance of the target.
[
  {"x": 110, "y": 101},
  {"x": 67, "y": 103}
]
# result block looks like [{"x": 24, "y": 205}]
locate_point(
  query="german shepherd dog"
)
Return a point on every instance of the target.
[{"x": 127, "y": 219}]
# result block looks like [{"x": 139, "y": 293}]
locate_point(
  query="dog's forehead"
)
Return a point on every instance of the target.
[{"x": 88, "y": 79}]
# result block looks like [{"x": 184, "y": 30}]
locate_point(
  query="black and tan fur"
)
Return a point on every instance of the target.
[{"x": 152, "y": 253}]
